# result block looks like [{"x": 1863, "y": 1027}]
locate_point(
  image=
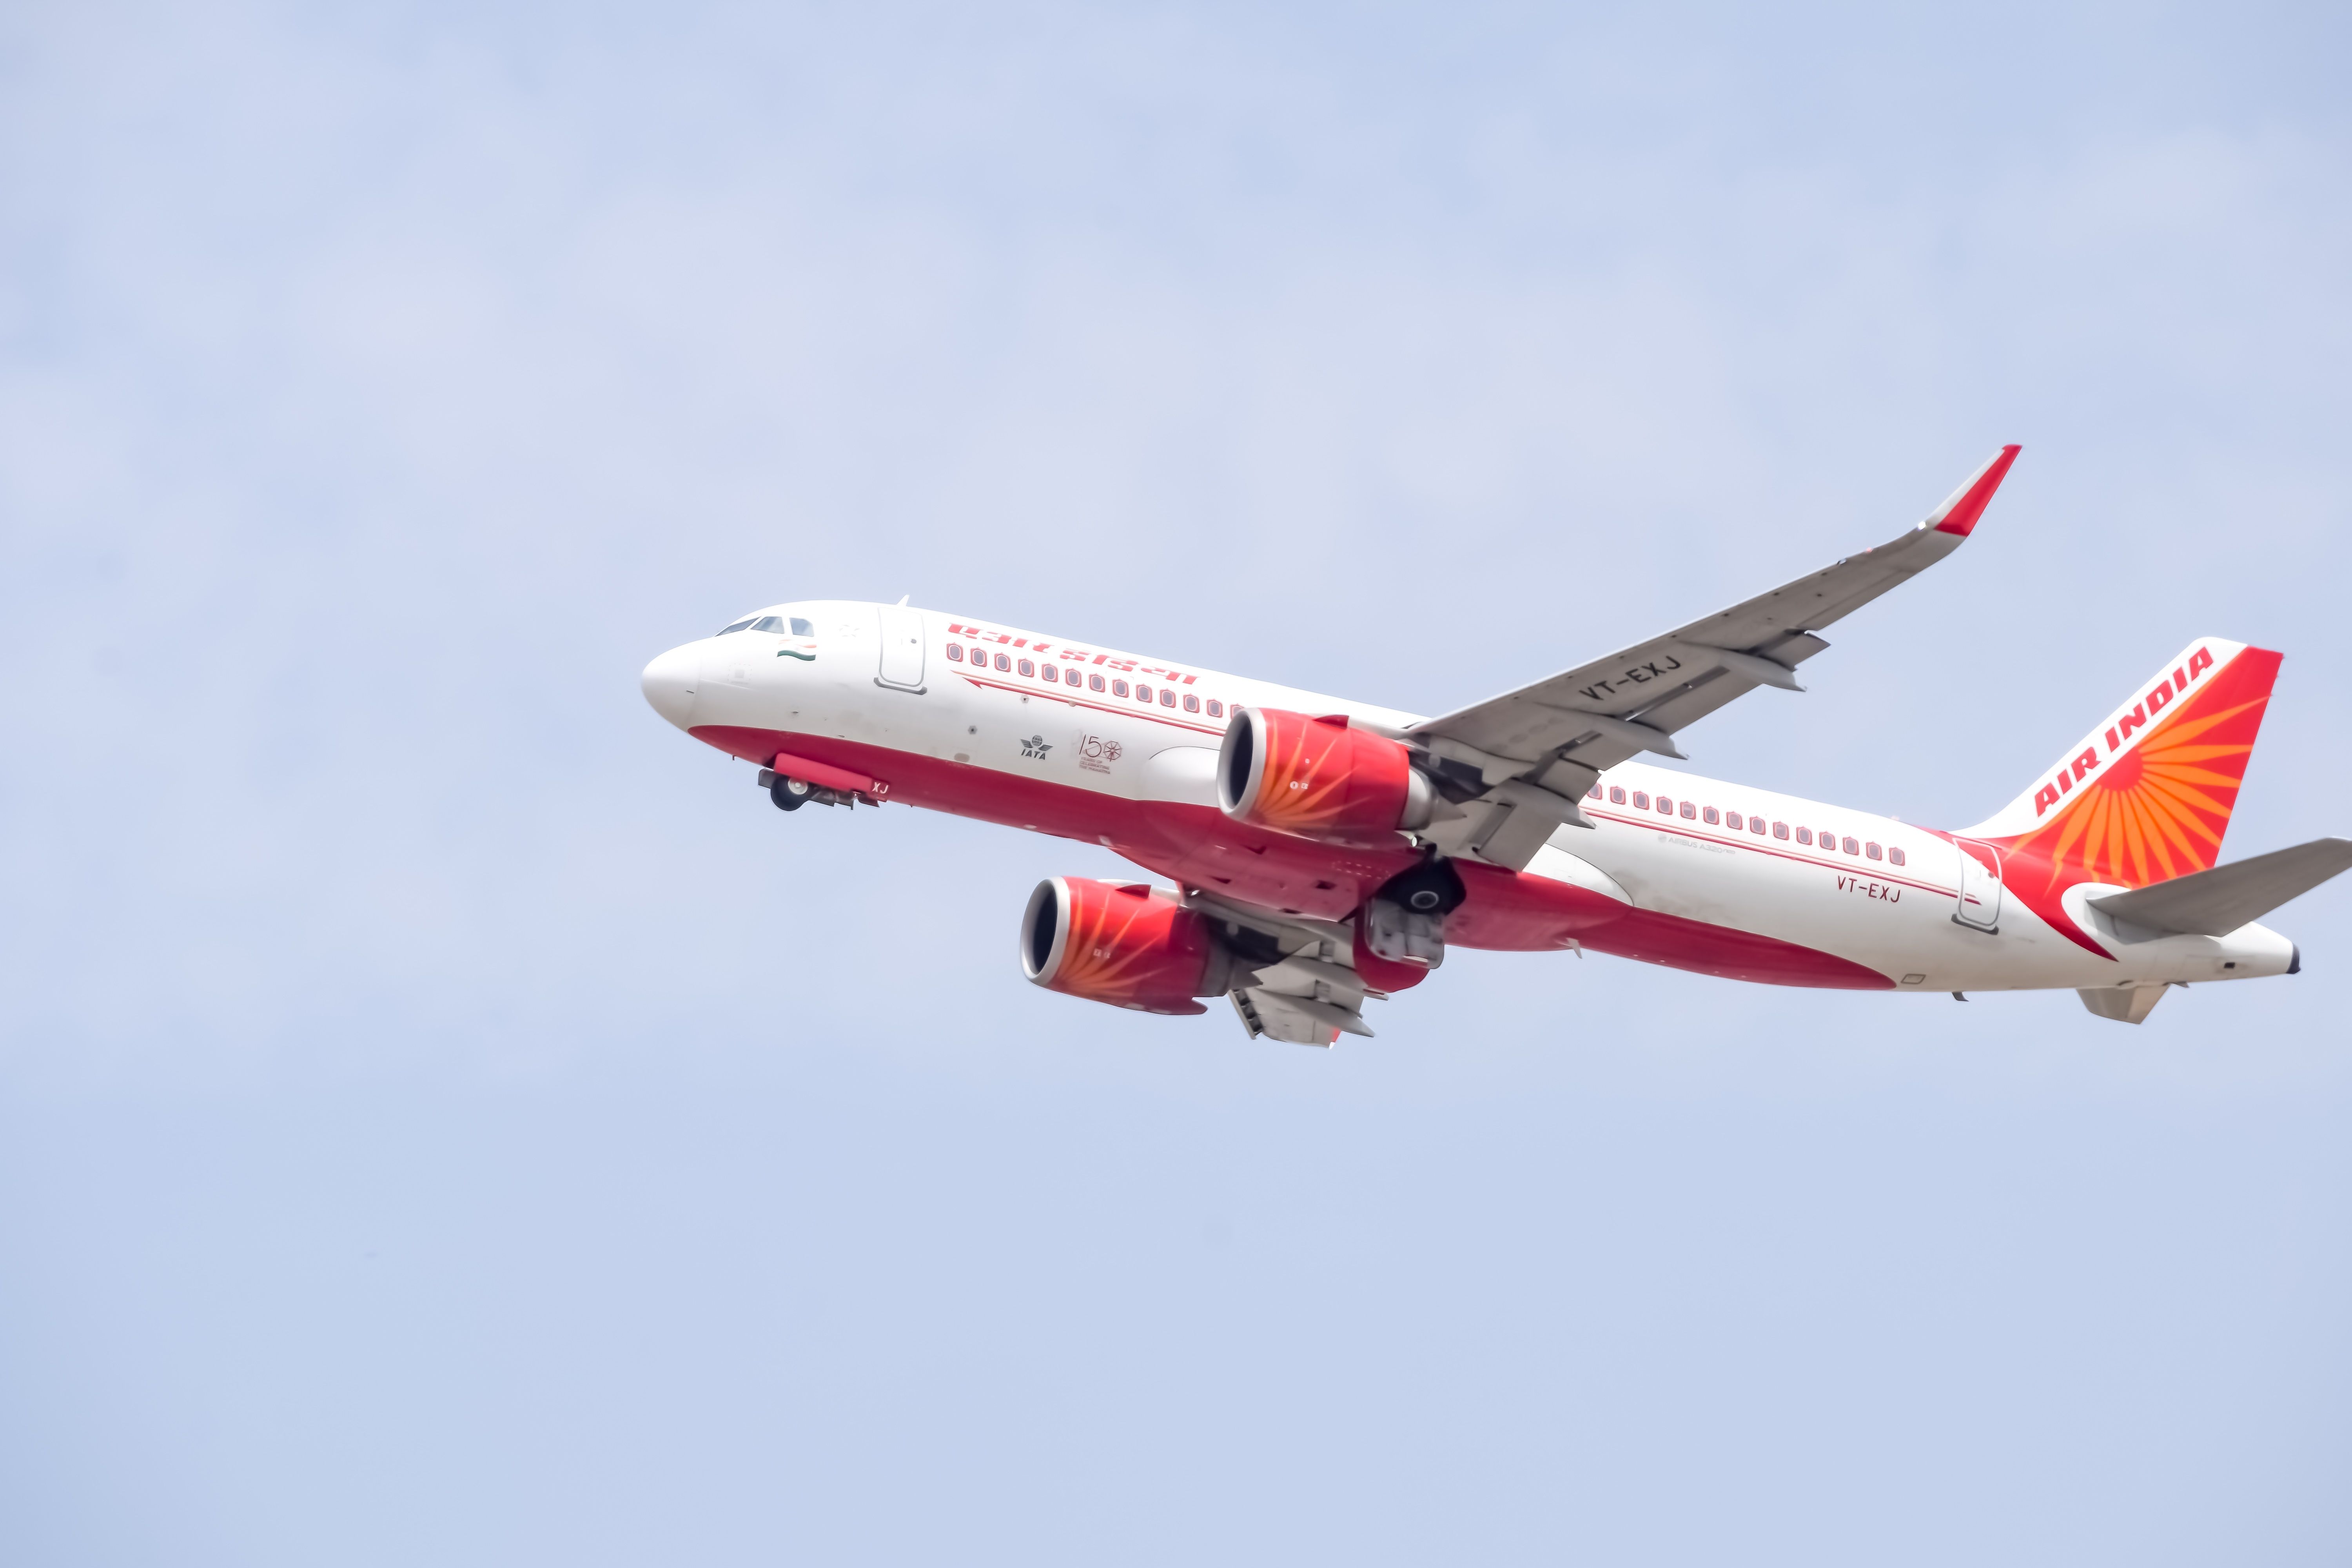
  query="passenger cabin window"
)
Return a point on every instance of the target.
[
  {"x": 1216, "y": 709},
  {"x": 1191, "y": 704},
  {"x": 1168, "y": 698},
  {"x": 1004, "y": 662},
  {"x": 1731, "y": 820},
  {"x": 1874, "y": 851},
  {"x": 1895, "y": 857},
  {"x": 1119, "y": 688},
  {"x": 1053, "y": 674},
  {"x": 1665, "y": 807},
  {"x": 1027, "y": 669},
  {"x": 1616, "y": 795},
  {"x": 955, "y": 652},
  {"x": 1593, "y": 794},
  {"x": 1143, "y": 694},
  {"x": 1641, "y": 800},
  {"x": 1691, "y": 811},
  {"x": 1852, "y": 847},
  {"x": 1779, "y": 830},
  {"x": 1755, "y": 826},
  {"x": 1804, "y": 835},
  {"x": 1095, "y": 681}
]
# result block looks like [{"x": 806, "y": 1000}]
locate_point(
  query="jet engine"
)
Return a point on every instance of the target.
[
  {"x": 1319, "y": 778},
  {"x": 1129, "y": 945}
]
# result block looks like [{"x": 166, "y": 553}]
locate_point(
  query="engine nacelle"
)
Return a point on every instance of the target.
[
  {"x": 1319, "y": 778},
  {"x": 1129, "y": 945}
]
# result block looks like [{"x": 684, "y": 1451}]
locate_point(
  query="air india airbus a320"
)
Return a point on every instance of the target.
[{"x": 1325, "y": 851}]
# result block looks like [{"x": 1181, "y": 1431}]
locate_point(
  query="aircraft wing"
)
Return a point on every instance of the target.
[
  {"x": 1297, "y": 979},
  {"x": 1515, "y": 766}
]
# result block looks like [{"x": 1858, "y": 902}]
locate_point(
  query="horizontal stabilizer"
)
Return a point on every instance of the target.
[{"x": 2217, "y": 902}]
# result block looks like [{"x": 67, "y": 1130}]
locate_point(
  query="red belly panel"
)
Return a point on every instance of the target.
[
  {"x": 1201, "y": 847},
  {"x": 1721, "y": 951},
  {"x": 1197, "y": 844}
]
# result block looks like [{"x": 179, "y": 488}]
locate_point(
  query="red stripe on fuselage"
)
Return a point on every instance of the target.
[{"x": 1202, "y": 847}]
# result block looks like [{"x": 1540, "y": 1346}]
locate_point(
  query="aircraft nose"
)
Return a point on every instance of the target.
[{"x": 670, "y": 681}]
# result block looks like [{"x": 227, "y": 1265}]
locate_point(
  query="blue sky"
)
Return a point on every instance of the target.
[{"x": 446, "y": 1115}]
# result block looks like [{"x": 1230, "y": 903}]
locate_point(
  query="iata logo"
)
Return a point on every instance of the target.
[
  {"x": 2142, "y": 714},
  {"x": 1034, "y": 747}
]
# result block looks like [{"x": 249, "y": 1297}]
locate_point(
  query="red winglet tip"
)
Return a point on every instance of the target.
[{"x": 1958, "y": 514}]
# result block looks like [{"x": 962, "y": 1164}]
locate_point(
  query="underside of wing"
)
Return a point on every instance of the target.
[
  {"x": 1515, "y": 766},
  {"x": 1295, "y": 979}
]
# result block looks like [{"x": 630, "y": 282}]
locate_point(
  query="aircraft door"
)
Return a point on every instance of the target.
[
  {"x": 902, "y": 648},
  {"x": 1979, "y": 885}
]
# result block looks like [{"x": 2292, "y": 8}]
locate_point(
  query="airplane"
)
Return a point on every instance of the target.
[{"x": 1324, "y": 853}]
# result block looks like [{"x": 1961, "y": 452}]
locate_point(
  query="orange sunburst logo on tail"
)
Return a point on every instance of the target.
[
  {"x": 2147, "y": 797},
  {"x": 2157, "y": 810}
]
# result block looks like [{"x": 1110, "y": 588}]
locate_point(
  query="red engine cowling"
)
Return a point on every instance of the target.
[
  {"x": 1129, "y": 945},
  {"x": 1318, "y": 778}
]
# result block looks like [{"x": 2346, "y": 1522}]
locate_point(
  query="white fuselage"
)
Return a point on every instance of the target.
[{"x": 879, "y": 681}]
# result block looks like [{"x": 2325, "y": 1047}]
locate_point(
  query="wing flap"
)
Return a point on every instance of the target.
[{"x": 1300, "y": 985}]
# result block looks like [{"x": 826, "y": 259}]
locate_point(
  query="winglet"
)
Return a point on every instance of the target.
[{"x": 1961, "y": 508}]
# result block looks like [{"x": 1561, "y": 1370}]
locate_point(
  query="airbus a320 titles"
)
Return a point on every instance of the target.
[{"x": 1320, "y": 854}]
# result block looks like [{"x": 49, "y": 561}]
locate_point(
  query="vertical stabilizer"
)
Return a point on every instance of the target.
[{"x": 2147, "y": 794}]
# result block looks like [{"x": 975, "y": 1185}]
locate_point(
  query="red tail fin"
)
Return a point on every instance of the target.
[{"x": 2147, "y": 796}]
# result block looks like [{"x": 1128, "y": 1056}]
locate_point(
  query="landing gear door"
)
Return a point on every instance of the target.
[
  {"x": 902, "y": 648},
  {"x": 1979, "y": 885}
]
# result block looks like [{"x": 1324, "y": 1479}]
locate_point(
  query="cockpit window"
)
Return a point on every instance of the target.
[{"x": 776, "y": 623}]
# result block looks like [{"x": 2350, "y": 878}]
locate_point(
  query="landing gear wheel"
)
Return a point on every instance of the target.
[
  {"x": 790, "y": 794},
  {"x": 1431, "y": 888}
]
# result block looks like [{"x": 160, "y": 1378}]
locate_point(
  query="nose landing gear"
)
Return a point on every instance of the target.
[{"x": 791, "y": 794}]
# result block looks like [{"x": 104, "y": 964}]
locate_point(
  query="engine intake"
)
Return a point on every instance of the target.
[
  {"x": 1129, "y": 945},
  {"x": 1319, "y": 778}
]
